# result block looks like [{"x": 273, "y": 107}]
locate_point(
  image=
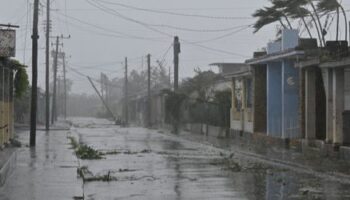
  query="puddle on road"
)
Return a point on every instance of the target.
[{"x": 170, "y": 168}]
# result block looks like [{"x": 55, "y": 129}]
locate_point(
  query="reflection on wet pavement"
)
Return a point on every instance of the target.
[
  {"x": 146, "y": 164},
  {"x": 45, "y": 172},
  {"x": 173, "y": 168}
]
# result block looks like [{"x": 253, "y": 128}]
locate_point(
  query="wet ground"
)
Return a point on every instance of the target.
[{"x": 143, "y": 164}]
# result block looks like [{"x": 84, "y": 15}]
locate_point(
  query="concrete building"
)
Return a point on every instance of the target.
[
  {"x": 282, "y": 85},
  {"x": 337, "y": 87},
  {"x": 7, "y": 69},
  {"x": 326, "y": 94},
  {"x": 240, "y": 79}
]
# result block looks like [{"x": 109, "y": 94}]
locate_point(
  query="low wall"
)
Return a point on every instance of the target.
[{"x": 213, "y": 131}]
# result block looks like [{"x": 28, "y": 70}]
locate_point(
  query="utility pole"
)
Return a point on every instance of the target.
[
  {"x": 102, "y": 99},
  {"x": 65, "y": 86},
  {"x": 149, "y": 121},
  {"x": 54, "y": 95},
  {"x": 47, "y": 72},
  {"x": 177, "y": 51},
  {"x": 55, "y": 66},
  {"x": 59, "y": 93},
  {"x": 126, "y": 98},
  {"x": 33, "y": 110}
]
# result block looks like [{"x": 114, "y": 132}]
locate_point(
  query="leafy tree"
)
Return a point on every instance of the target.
[
  {"x": 200, "y": 84},
  {"x": 21, "y": 82}
]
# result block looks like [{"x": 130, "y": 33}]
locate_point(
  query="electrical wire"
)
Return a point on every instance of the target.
[
  {"x": 116, "y": 13},
  {"x": 115, "y": 33},
  {"x": 173, "y": 13},
  {"x": 224, "y": 36}
]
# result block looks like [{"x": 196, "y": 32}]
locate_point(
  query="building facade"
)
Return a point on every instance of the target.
[{"x": 282, "y": 85}]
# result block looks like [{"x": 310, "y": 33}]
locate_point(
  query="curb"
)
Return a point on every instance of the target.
[{"x": 8, "y": 168}]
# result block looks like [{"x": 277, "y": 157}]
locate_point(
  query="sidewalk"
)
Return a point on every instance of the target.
[
  {"x": 7, "y": 163},
  {"x": 310, "y": 162},
  {"x": 47, "y": 171}
]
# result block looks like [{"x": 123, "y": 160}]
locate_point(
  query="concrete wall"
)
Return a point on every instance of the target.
[
  {"x": 274, "y": 99},
  {"x": 290, "y": 39},
  {"x": 212, "y": 131},
  {"x": 274, "y": 47},
  {"x": 242, "y": 120},
  {"x": 290, "y": 99},
  {"x": 6, "y": 106},
  {"x": 283, "y": 90}
]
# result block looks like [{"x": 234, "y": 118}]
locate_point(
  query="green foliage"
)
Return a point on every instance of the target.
[
  {"x": 199, "y": 84},
  {"x": 84, "y": 152},
  {"x": 266, "y": 16},
  {"x": 328, "y": 5},
  {"x": 21, "y": 82}
]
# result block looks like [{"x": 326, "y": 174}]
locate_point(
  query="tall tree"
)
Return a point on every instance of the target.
[
  {"x": 327, "y": 6},
  {"x": 266, "y": 16}
]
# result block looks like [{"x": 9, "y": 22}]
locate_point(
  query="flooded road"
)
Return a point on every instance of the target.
[
  {"x": 150, "y": 164},
  {"x": 142, "y": 164}
]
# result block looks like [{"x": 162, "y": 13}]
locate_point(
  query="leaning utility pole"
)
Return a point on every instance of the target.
[
  {"x": 47, "y": 72},
  {"x": 126, "y": 98},
  {"x": 33, "y": 110},
  {"x": 65, "y": 86},
  {"x": 177, "y": 51},
  {"x": 102, "y": 99},
  {"x": 149, "y": 121},
  {"x": 54, "y": 95}
]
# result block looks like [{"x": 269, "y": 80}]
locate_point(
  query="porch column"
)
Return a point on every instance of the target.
[
  {"x": 310, "y": 104},
  {"x": 328, "y": 83},
  {"x": 346, "y": 119},
  {"x": 232, "y": 102},
  {"x": 338, "y": 105}
]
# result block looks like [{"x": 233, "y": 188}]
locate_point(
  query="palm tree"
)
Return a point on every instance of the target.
[
  {"x": 268, "y": 15},
  {"x": 294, "y": 9},
  {"x": 327, "y": 6}
]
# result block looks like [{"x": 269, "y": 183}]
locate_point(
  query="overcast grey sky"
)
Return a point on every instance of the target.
[{"x": 102, "y": 37}]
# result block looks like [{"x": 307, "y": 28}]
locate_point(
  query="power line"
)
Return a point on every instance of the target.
[
  {"x": 115, "y": 33},
  {"x": 225, "y": 35},
  {"x": 174, "y": 13},
  {"x": 116, "y": 13}
]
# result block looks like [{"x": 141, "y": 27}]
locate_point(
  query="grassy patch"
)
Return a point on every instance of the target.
[
  {"x": 83, "y": 151},
  {"x": 87, "y": 153}
]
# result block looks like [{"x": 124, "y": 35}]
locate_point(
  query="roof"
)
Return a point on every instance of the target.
[
  {"x": 289, "y": 53},
  {"x": 345, "y": 62},
  {"x": 229, "y": 70}
]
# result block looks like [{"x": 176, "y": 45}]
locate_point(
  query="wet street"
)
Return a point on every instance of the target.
[{"x": 138, "y": 163}]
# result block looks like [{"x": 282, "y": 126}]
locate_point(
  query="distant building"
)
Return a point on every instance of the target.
[{"x": 240, "y": 80}]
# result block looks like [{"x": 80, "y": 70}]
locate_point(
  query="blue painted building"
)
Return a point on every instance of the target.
[{"x": 282, "y": 85}]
